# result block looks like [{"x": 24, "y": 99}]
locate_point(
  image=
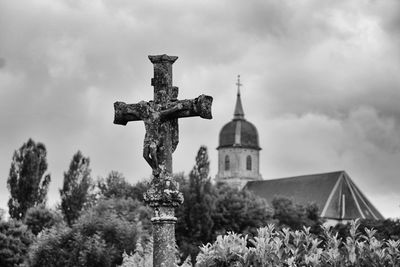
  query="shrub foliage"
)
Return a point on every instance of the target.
[{"x": 286, "y": 247}]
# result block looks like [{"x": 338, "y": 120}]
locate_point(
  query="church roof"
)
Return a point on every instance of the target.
[
  {"x": 239, "y": 132},
  {"x": 335, "y": 194}
]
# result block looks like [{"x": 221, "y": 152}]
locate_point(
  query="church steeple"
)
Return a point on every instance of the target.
[
  {"x": 238, "y": 150},
  {"x": 239, "y": 114}
]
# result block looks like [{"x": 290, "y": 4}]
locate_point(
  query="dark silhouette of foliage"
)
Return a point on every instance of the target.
[
  {"x": 65, "y": 246},
  {"x": 240, "y": 211},
  {"x": 15, "y": 239},
  {"x": 76, "y": 188},
  {"x": 27, "y": 181},
  {"x": 195, "y": 223},
  {"x": 115, "y": 186},
  {"x": 385, "y": 229},
  {"x": 139, "y": 189},
  {"x": 98, "y": 238},
  {"x": 295, "y": 216},
  {"x": 209, "y": 210},
  {"x": 39, "y": 217}
]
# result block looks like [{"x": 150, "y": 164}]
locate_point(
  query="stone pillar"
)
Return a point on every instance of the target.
[
  {"x": 164, "y": 236},
  {"x": 163, "y": 196}
]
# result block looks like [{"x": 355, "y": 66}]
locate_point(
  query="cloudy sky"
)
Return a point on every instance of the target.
[{"x": 321, "y": 81}]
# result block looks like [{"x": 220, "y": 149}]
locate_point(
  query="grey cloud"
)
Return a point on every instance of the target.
[
  {"x": 2, "y": 63},
  {"x": 68, "y": 61}
]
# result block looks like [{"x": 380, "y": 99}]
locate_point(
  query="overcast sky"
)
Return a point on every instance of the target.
[{"x": 321, "y": 81}]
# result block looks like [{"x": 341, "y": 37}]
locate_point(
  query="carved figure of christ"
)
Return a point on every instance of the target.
[{"x": 152, "y": 116}]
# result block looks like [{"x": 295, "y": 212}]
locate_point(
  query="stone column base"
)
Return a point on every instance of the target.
[{"x": 164, "y": 237}]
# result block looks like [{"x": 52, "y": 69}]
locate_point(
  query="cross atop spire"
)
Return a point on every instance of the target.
[
  {"x": 238, "y": 114},
  {"x": 238, "y": 84}
]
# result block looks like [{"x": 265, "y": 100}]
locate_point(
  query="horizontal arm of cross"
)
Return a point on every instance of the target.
[
  {"x": 200, "y": 106},
  {"x": 125, "y": 113}
]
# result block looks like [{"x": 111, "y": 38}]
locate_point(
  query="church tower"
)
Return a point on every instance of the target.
[{"x": 238, "y": 149}]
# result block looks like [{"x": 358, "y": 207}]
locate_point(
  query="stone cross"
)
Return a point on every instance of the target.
[{"x": 160, "y": 117}]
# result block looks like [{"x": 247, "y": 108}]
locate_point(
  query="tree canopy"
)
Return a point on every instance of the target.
[
  {"x": 76, "y": 187},
  {"x": 98, "y": 238},
  {"x": 15, "y": 239},
  {"x": 27, "y": 181}
]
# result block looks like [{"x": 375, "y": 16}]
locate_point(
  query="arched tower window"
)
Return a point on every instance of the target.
[
  {"x": 248, "y": 163},
  {"x": 227, "y": 163}
]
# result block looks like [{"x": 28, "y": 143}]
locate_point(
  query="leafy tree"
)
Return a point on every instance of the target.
[
  {"x": 139, "y": 189},
  {"x": 39, "y": 217},
  {"x": 240, "y": 211},
  {"x": 65, "y": 246},
  {"x": 209, "y": 210},
  {"x": 76, "y": 188},
  {"x": 195, "y": 224},
  {"x": 27, "y": 181},
  {"x": 98, "y": 238},
  {"x": 15, "y": 239},
  {"x": 115, "y": 186},
  {"x": 295, "y": 216}
]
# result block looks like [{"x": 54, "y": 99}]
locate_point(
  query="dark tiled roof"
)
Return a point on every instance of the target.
[
  {"x": 239, "y": 132},
  {"x": 247, "y": 132},
  {"x": 334, "y": 193}
]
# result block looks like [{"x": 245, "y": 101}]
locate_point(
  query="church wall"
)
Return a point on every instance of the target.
[{"x": 237, "y": 164}]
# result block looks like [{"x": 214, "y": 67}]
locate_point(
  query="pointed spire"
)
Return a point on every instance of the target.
[{"x": 239, "y": 114}]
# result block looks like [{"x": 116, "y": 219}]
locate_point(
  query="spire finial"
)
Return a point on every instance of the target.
[
  {"x": 238, "y": 84},
  {"x": 238, "y": 114}
]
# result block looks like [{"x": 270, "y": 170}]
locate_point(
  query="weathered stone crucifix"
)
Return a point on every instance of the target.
[{"x": 160, "y": 118}]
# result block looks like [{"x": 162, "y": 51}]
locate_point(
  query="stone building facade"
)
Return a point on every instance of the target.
[{"x": 238, "y": 149}]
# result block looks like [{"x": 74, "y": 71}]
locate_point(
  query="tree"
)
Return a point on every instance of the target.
[
  {"x": 27, "y": 181},
  {"x": 76, "y": 188},
  {"x": 65, "y": 246},
  {"x": 98, "y": 238},
  {"x": 15, "y": 239},
  {"x": 209, "y": 210},
  {"x": 295, "y": 216},
  {"x": 240, "y": 211},
  {"x": 39, "y": 218},
  {"x": 115, "y": 186},
  {"x": 195, "y": 224}
]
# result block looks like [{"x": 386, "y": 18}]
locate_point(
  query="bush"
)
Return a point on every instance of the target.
[
  {"x": 39, "y": 217},
  {"x": 98, "y": 238},
  {"x": 295, "y": 216},
  {"x": 300, "y": 248},
  {"x": 15, "y": 239},
  {"x": 385, "y": 229},
  {"x": 64, "y": 246}
]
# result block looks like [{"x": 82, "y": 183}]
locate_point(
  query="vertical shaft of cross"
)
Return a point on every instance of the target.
[
  {"x": 164, "y": 213},
  {"x": 162, "y": 83}
]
